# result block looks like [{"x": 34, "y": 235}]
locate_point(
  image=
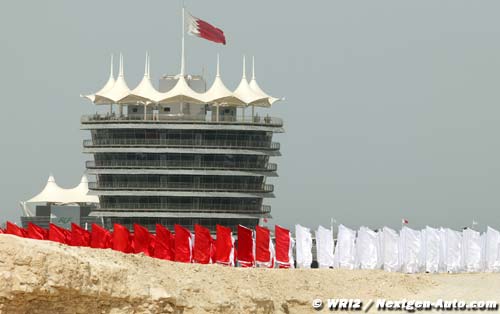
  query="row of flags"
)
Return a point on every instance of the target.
[
  {"x": 428, "y": 250},
  {"x": 254, "y": 248},
  {"x": 409, "y": 251}
]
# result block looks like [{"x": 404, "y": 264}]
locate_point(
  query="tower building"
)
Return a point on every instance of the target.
[{"x": 182, "y": 153}]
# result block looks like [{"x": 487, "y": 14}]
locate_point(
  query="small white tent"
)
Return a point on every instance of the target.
[{"x": 53, "y": 193}]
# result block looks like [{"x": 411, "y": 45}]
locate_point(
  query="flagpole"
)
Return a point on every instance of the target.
[
  {"x": 182, "y": 48},
  {"x": 182, "y": 55}
]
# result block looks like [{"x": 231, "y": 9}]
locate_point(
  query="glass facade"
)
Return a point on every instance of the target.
[{"x": 229, "y": 184}]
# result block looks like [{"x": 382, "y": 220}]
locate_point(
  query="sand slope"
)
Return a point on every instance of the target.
[{"x": 46, "y": 277}]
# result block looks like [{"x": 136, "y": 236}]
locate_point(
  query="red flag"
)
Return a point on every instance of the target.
[
  {"x": 152, "y": 244},
  {"x": 224, "y": 252},
  {"x": 202, "y": 245},
  {"x": 58, "y": 234},
  {"x": 404, "y": 221},
  {"x": 100, "y": 238},
  {"x": 121, "y": 239},
  {"x": 263, "y": 247},
  {"x": 142, "y": 240},
  {"x": 212, "y": 250},
  {"x": 245, "y": 246},
  {"x": 37, "y": 232},
  {"x": 15, "y": 230},
  {"x": 172, "y": 245},
  {"x": 200, "y": 28},
  {"x": 79, "y": 236},
  {"x": 67, "y": 235},
  {"x": 183, "y": 244},
  {"x": 163, "y": 248},
  {"x": 283, "y": 247}
]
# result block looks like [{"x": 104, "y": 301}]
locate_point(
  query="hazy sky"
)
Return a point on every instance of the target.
[{"x": 392, "y": 107}]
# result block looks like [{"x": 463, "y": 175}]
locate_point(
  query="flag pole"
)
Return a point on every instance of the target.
[{"x": 182, "y": 48}]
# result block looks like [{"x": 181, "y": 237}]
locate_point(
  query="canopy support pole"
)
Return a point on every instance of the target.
[
  {"x": 145, "y": 108},
  {"x": 253, "y": 112},
  {"x": 121, "y": 110},
  {"x": 217, "y": 117},
  {"x": 110, "y": 109},
  {"x": 243, "y": 114}
]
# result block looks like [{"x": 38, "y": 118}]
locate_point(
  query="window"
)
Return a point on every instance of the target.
[
  {"x": 134, "y": 110},
  {"x": 166, "y": 109}
]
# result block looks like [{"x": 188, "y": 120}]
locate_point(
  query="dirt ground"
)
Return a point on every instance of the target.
[{"x": 46, "y": 277}]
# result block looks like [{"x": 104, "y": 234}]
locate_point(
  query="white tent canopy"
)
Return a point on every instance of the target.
[
  {"x": 145, "y": 91},
  {"x": 109, "y": 84},
  {"x": 269, "y": 100},
  {"x": 246, "y": 93},
  {"x": 181, "y": 93},
  {"x": 53, "y": 193},
  {"x": 218, "y": 93},
  {"x": 118, "y": 92}
]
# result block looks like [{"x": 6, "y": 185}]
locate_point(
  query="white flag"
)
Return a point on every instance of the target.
[
  {"x": 303, "y": 246},
  {"x": 324, "y": 247}
]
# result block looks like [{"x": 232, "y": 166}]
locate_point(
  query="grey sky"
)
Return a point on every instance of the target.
[{"x": 392, "y": 107}]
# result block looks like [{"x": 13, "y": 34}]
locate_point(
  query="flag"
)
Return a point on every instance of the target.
[
  {"x": 164, "y": 249},
  {"x": 224, "y": 252},
  {"x": 79, "y": 236},
  {"x": 303, "y": 248},
  {"x": 142, "y": 240},
  {"x": 67, "y": 235},
  {"x": 324, "y": 247},
  {"x": 37, "y": 232},
  {"x": 212, "y": 250},
  {"x": 152, "y": 244},
  {"x": 100, "y": 238},
  {"x": 284, "y": 247},
  {"x": 200, "y": 28},
  {"x": 121, "y": 239},
  {"x": 246, "y": 247},
  {"x": 58, "y": 234},
  {"x": 15, "y": 230},
  {"x": 183, "y": 244},
  {"x": 263, "y": 247},
  {"x": 404, "y": 221},
  {"x": 202, "y": 245}
]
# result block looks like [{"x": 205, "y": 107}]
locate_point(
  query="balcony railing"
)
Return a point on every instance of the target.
[
  {"x": 183, "y": 143},
  {"x": 170, "y": 186},
  {"x": 264, "y": 209},
  {"x": 170, "y": 164},
  {"x": 177, "y": 118}
]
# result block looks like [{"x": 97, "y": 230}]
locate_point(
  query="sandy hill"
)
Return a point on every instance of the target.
[{"x": 46, "y": 277}]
